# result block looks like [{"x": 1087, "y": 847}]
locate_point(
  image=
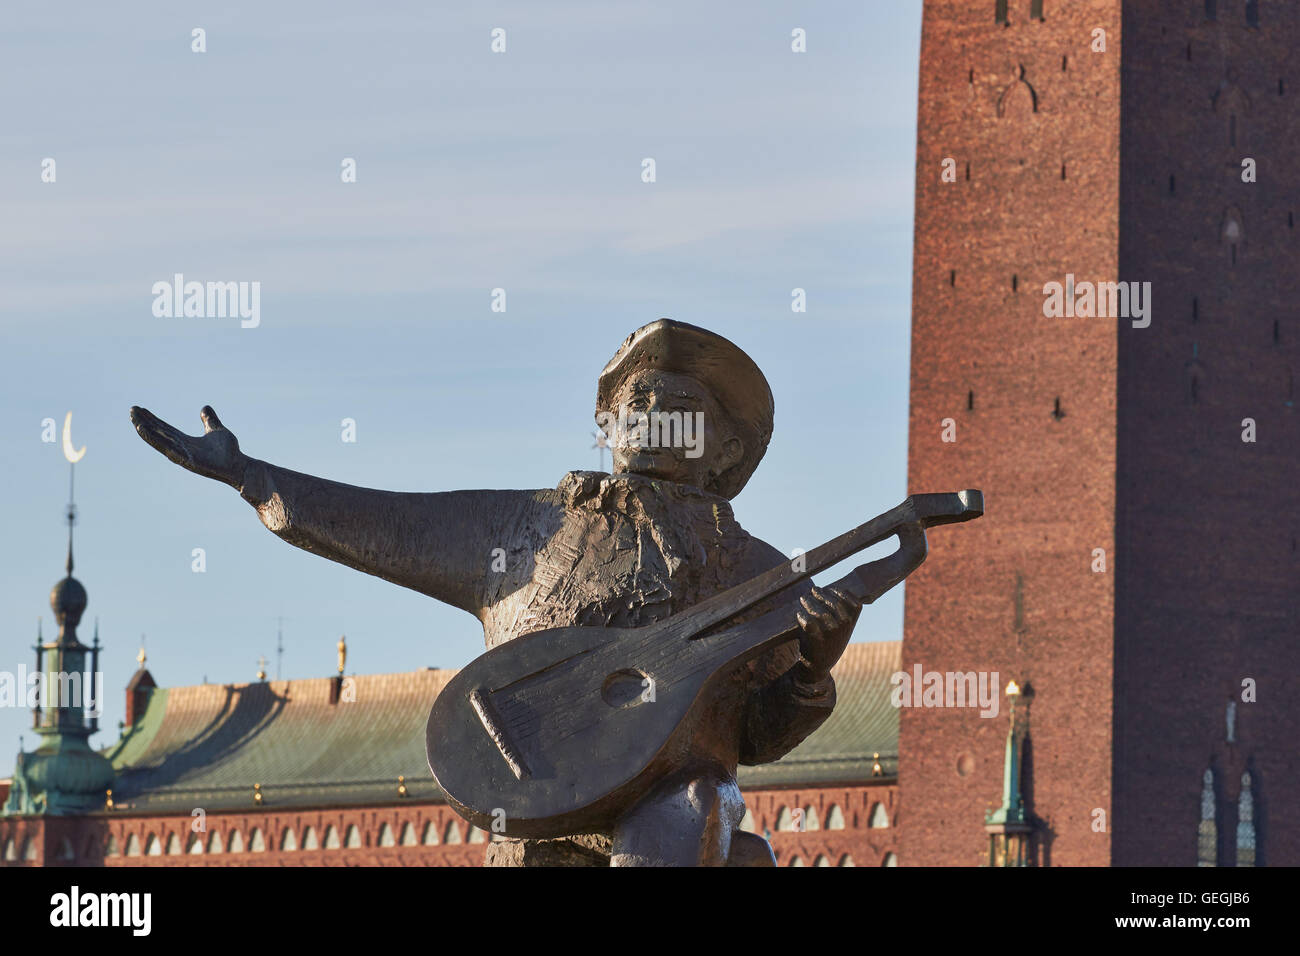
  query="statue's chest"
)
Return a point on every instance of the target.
[{"x": 603, "y": 569}]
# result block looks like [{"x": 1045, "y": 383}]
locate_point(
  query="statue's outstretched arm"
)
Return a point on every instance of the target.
[{"x": 438, "y": 544}]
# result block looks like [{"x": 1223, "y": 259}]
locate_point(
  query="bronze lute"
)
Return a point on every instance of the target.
[{"x": 559, "y": 731}]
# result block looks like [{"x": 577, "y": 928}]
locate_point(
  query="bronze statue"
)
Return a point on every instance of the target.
[{"x": 621, "y": 551}]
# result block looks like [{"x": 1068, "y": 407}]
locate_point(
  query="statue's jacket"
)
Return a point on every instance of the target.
[{"x": 620, "y": 550}]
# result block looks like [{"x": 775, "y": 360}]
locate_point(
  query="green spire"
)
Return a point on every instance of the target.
[
  {"x": 63, "y": 775},
  {"x": 1009, "y": 825}
]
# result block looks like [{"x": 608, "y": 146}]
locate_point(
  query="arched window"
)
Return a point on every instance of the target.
[
  {"x": 476, "y": 835},
  {"x": 810, "y": 819},
  {"x": 408, "y": 835},
  {"x": 29, "y": 849},
  {"x": 430, "y": 834},
  {"x": 835, "y": 818},
  {"x": 1036, "y": 9},
  {"x": 309, "y": 839},
  {"x": 288, "y": 840},
  {"x": 111, "y": 850},
  {"x": 889, "y": 860},
  {"x": 783, "y": 820},
  {"x": 256, "y": 843},
  {"x": 331, "y": 838},
  {"x": 173, "y": 845},
  {"x": 152, "y": 847},
  {"x": 386, "y": 836},
  {"x": 353, "y": 839},
  {"x": 821, "y": 861},
  {"x": 1246, "y": 823},
  {"x": 452, "y": 834},
  {"x": 797, "y": 861},
  {"x": 214, "y": 842},
  {"x": 236, "y": 844},
  {"x": 1000, "y": 16},
  {"x": 195, "y": 847},
  {"x": 747, "y": 821},
  {"x": 847, "y": 860},
  {"x": 879, "y": 817},
  {"x": 11, "y": 852},
  {"x": 133, "y": 845},
  {"x": 1207, "y": 833}
]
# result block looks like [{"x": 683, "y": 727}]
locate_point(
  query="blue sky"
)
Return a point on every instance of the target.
[{"x": 475, "y": 170}]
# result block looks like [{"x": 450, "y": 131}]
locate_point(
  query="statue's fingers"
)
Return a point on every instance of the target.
[
  {"x": 210, "y": 420},
  {"x": 809, "y": 624},
  {"x": 827, "y": 609},
  {"x": 161, "y": 436}
]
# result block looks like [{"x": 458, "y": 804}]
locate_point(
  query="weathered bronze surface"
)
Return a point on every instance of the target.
[{"x": 637, "y": 547}]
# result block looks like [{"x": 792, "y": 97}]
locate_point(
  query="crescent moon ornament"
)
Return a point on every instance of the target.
[{"x": 68, "y": 451}]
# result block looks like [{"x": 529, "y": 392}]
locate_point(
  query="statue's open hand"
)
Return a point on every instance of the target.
[
  {"x": 826, "y": 622},
  {"x": 214, "y": 454}
]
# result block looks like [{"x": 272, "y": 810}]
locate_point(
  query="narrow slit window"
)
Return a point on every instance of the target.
[
  {"x": 1036, "y": 9},
  {"x": 1000, "y": 11},
  {"x": 1252, "y": 13},
  {"x": 1211, "y": 9}
]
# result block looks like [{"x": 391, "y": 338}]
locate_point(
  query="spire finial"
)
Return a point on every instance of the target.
[
  {"x": 343, "y": 652},
  {"x": 140, "y": 657}
]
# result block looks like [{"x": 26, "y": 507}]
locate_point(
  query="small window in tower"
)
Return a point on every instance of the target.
[
  {"x": 1252, "y": 13},
  {"x": 1195, "y": 309},
  {"x": 1062, "y": 170},
  {"x": 952, "y": 277},
  {"x": 1276, "y": 332},
  {"x": 1280, "y": 87},
  {"x": 1189, "y": 51},
  {"x": 1171, "y": 184},
  {"x": 968, "y": 172},
  {"x": 1211, "y": 9},
  {"x": 1065, "y": 63},
  {"x": 1056, "y": 410},
  {"x": 1000, "y": 11},
  {"x": 1195, "y": 390},
  {"x": 970, "y": 396},
  {"x": 1246, "y": 823},
  {"x": 1207, "y": 833},
  {"x": 1036, "y": 9},
  {"x": 1290, "y": 220},
  {"x": 971, "y": 77},
  {"x": 1015, "y": 283}
]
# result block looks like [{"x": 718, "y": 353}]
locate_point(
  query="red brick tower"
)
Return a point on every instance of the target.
[{"x": 1086, "y": 433}]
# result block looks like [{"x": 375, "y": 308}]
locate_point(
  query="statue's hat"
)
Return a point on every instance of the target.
[{"x": 727, "y": 372}]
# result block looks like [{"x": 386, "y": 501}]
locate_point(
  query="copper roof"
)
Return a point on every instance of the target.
[{"x": 207, "y": 745}]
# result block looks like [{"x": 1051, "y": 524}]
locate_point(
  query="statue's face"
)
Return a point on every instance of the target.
[{"x": 669, "y": 426}]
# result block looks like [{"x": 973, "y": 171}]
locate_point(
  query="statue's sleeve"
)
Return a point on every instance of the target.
[
  {"x": 783, "y": 704},
  {"x": 439, "y": 544}
]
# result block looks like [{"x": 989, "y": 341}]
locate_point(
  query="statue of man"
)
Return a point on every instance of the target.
[{"x": 625, "y": 549}]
